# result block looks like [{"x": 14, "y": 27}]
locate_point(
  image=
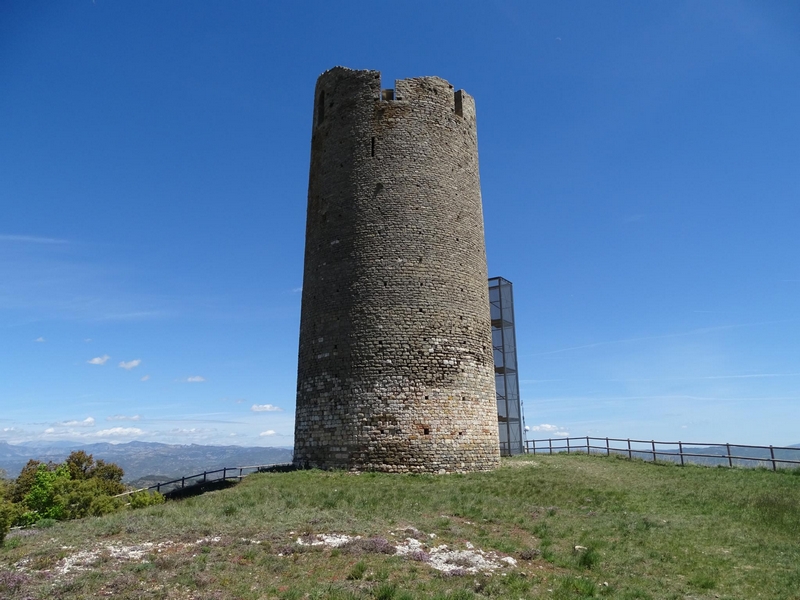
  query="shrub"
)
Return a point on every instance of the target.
[
  {"x": 79, "y": 464},
  {"x": 108, "y": 476},
  {"x": 76, "y": 488},
  {"x": 24, "y": 481},
  {"x": 143, "y": 499},
  {"x": 42, "y": 500}
]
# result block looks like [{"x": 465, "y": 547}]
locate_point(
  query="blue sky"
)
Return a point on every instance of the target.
[{"x": 640, "y": 174}]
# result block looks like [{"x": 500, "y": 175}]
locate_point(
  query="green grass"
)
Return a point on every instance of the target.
[{"x": 642, "y": 531}]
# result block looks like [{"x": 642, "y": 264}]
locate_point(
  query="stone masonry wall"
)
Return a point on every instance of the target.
[{"x": 395, "y": 367}]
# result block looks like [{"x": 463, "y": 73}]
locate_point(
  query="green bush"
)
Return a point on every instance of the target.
[
  {"x": 108, "y": 476},
  {"x": 43, "y": 500},
  {"x": 86, "y": 497},
  {"x": 77, "y": 488},
  {"x": 24, "y": 481},
  {"x": 143, "y": 499}
]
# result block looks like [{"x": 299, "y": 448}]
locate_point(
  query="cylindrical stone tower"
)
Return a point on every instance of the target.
[{"x": 395, "y": 367}]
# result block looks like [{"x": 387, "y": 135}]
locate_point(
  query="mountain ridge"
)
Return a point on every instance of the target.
[{"x": 139, "y": 459}]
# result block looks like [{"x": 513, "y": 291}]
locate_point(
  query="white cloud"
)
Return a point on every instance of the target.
[
  {"x": 145, "y": 378},
  {"x": 39, "y": 339},
  {"x": 119, "y": 432},
  {"x": 265, "y": 408},
  {"x": 267, "y": 432},
  {"x": 552, "y": 429},
  {"x": 192, "y": 433},
  {"x": 123, "y": 418},
  {"x": 87, "y": 422},
  {"x": 131, "y": 364},
  {"x": 99, "y": 360},
  {"x": 49, "y": 430},
  {"x": 195, "y": 379},
  {"x": 545, "y": 427}
]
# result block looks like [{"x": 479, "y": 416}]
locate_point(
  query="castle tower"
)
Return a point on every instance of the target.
[{"x": 395, "y": 365}]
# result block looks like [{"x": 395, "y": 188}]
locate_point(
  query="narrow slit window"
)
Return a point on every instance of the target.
[
  {"x": 373, "y": 146},
  {"x": 459, "y": 103}
]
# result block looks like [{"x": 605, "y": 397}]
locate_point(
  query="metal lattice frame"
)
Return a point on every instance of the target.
[{"x": 510, "y": 418}]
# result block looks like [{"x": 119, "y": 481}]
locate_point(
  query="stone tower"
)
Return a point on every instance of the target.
[{"x": 395, "y": 365}]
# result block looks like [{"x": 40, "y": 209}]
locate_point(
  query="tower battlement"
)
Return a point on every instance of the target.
[
  {"x": 339, "y": 87},
  {"x": 395, "y": 369}
]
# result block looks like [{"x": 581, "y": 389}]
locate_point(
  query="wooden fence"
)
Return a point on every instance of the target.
[
  {"x": 684, "y": 452},
  {"x": 217, "y": 475}
]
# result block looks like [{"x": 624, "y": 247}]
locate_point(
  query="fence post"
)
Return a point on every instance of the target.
[
  {"x": 567, "y": 445},
  {"x": 608, "y": 448},
  {"x": 204, "y": 476},
  {"x": 630, "y": 455},
  {"x": 183, "y": 482},
  {"x": 653, "y": 446},
  {"x": 158, "y": 487},
  {"x": 730, "y": 458},
  {"x": 772, "y": 457},
  {"x": 588, "y": 448},
  {"x": 550, "y": 443},
  {"x": 224, "y": 473},
  {"x": 680, "y": 451}
]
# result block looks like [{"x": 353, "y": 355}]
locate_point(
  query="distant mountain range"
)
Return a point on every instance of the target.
[{"x": 148, "y": 461}]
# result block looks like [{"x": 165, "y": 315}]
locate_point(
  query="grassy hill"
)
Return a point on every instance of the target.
[{"x": 557, "y": 527}]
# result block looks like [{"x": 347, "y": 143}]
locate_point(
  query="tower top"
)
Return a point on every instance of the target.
[{"x": 341, "y": 85}]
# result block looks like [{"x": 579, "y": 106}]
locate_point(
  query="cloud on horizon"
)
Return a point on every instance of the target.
[
  {"x": 87, "y": 422},
  {"x": 123, "y": 418},
  {"x": 552, "y": 429},
  {"x": 131, "y": 364},
  {"x": 99, "y": 360},
  {"x": 265, "y": 408},
  {"x": 119, "y": 432},
  {"x": 267, "y": 432},
  {"x": 195, "y": 379}
]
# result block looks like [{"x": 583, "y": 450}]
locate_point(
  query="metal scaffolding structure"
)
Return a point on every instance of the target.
[{"x": 510, "y": 418}]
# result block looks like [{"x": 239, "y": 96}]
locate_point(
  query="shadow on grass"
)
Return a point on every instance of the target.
[{"x": 199, "y": 488}]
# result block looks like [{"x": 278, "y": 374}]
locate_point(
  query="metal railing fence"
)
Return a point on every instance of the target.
[
  {"x": 698, "y": 453},
  {"x": 200, "y": 478}
]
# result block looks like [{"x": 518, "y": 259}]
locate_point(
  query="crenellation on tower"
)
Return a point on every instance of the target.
[{"x": 395, "y": 369}]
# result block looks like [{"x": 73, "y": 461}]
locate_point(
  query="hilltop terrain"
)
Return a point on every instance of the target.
[{"x": 557, "y": 527}]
